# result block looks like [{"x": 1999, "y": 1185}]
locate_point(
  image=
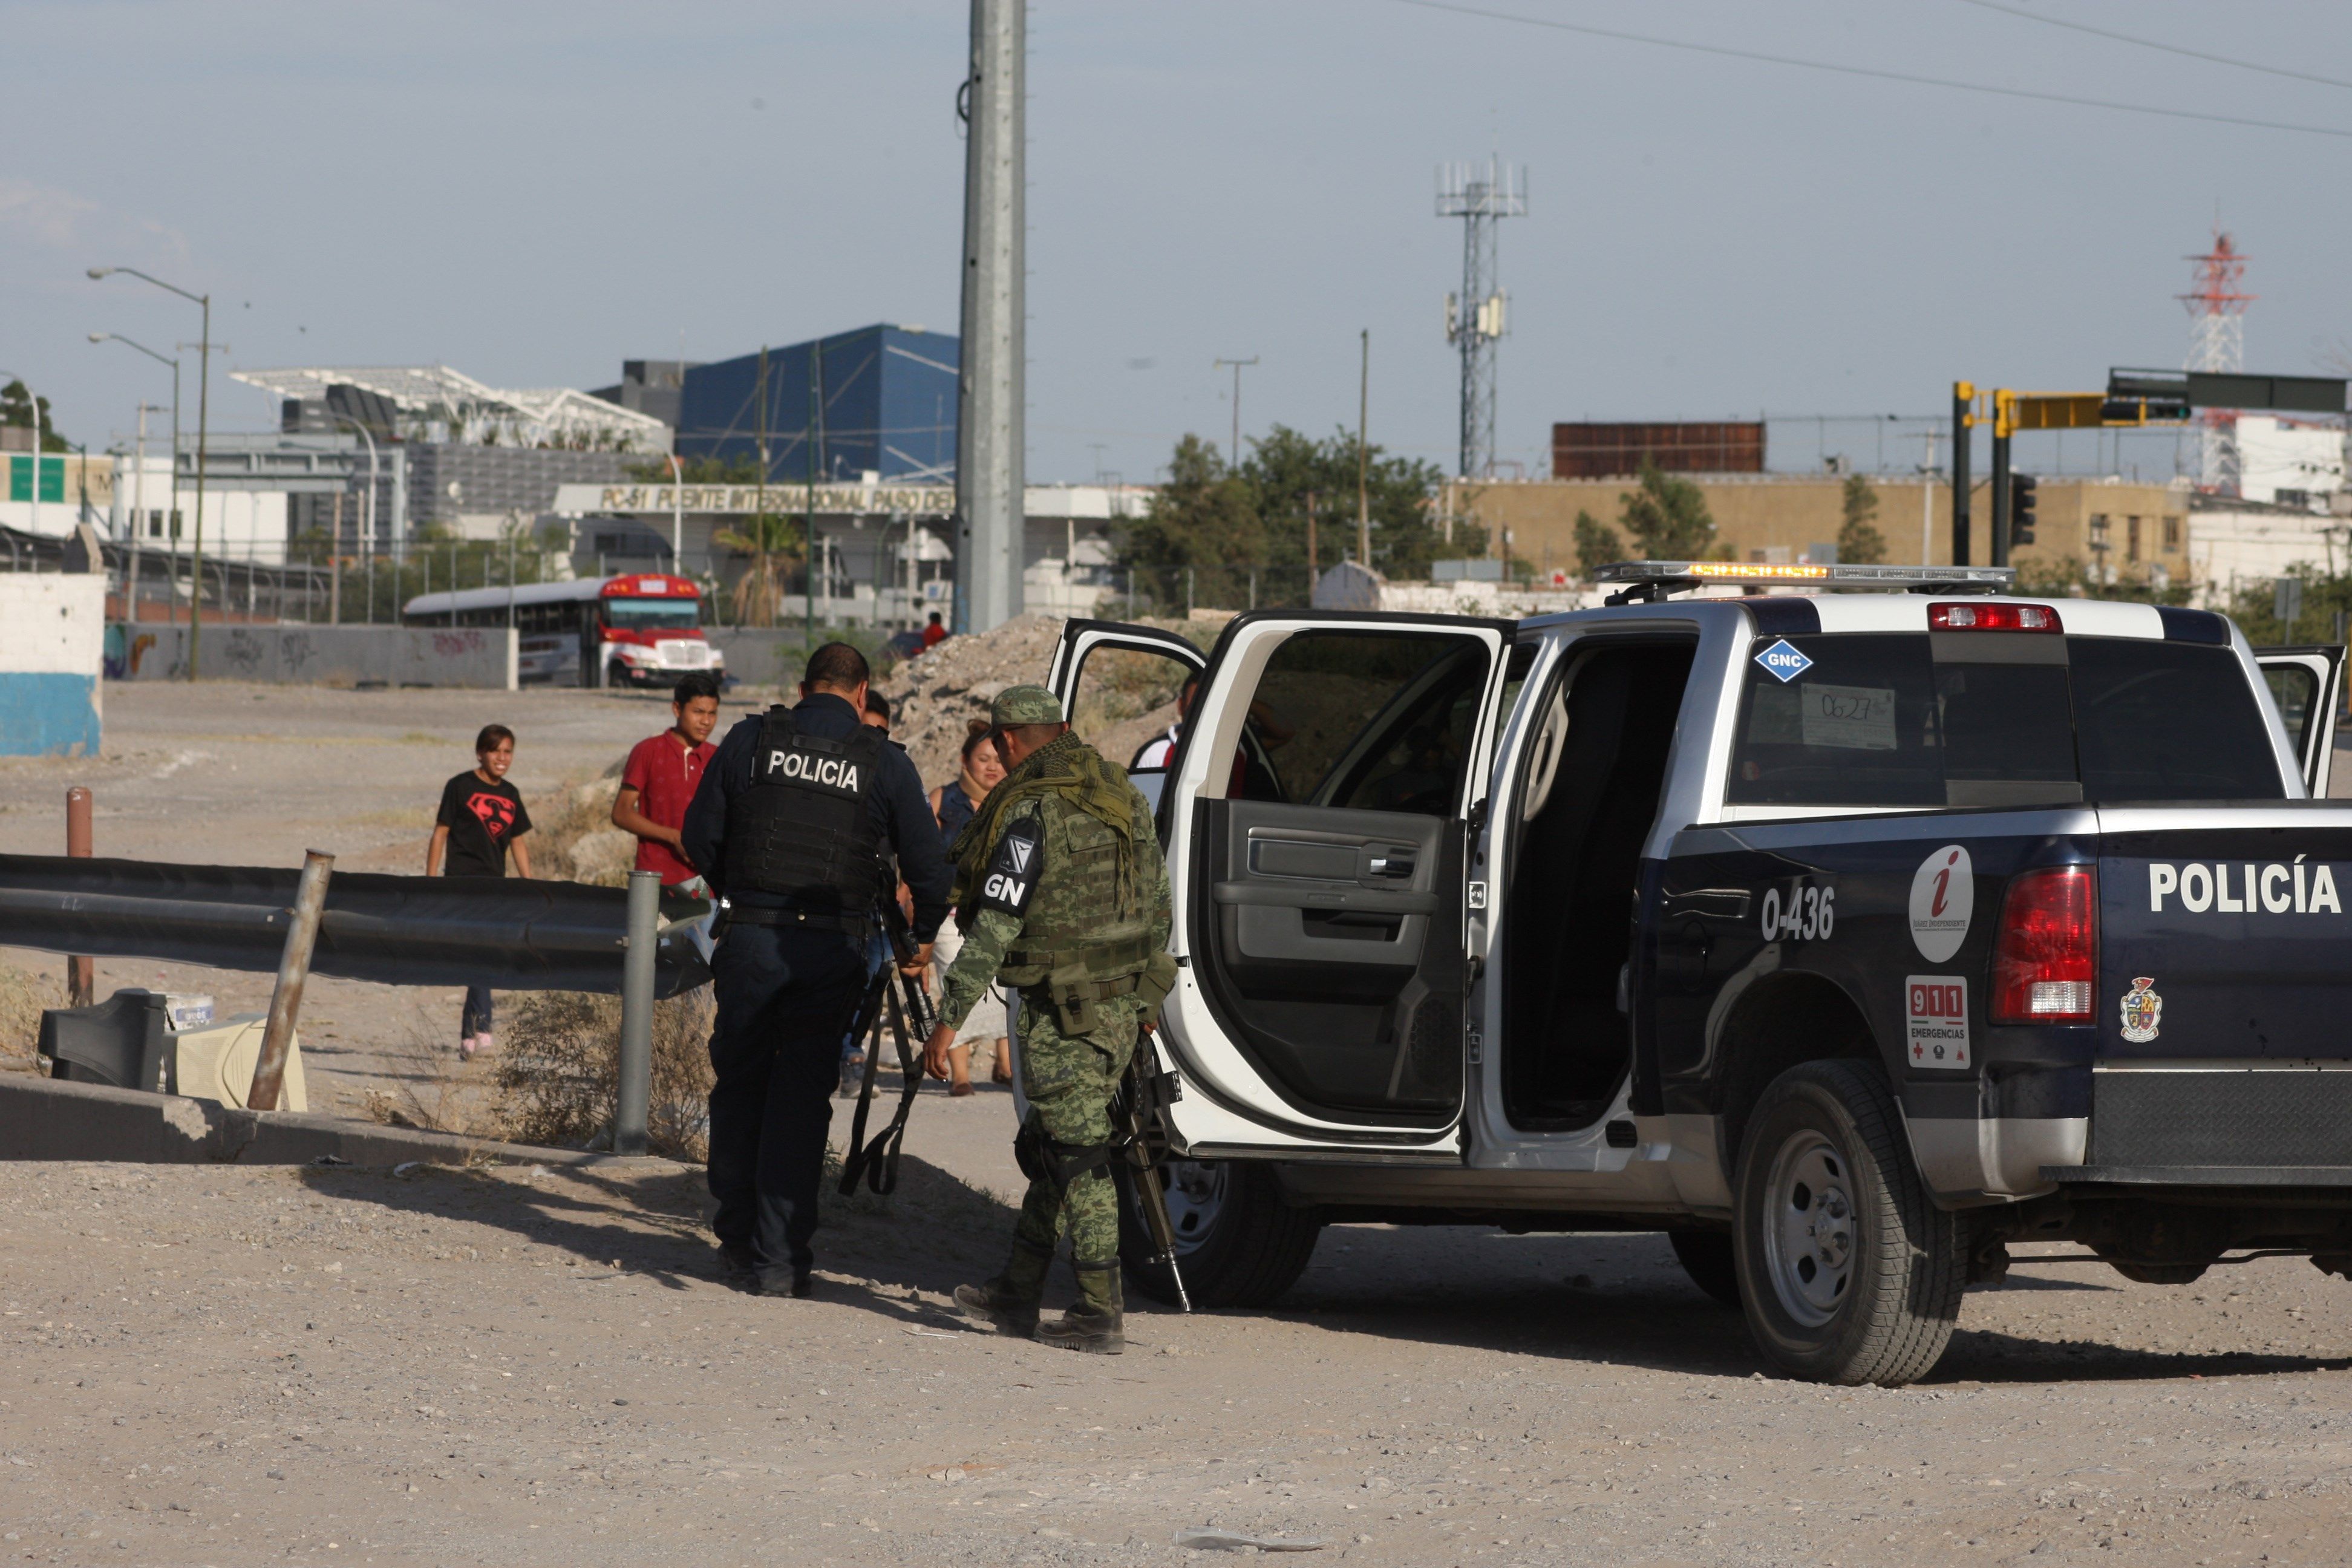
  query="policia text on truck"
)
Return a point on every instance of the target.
[{"x": 1844, "y": 935}]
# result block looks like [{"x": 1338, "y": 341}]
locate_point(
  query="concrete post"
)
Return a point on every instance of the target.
[
  {"x": 989, "y": 402},
  {"x": 632, "y": 1098},
  {"x": 293, "y": 974},
  {"x": 81, "y": 978}
]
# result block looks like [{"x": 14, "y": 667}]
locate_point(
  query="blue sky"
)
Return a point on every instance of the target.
[{"x": 531, "y": 192}]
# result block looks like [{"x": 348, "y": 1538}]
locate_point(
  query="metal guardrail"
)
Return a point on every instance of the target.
[{"x": 508, "y": 932}]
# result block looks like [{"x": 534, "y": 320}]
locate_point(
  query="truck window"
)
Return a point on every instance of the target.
[
  {"x": 1880, "y": 720},
  {"x": 1373, "y": 720}
]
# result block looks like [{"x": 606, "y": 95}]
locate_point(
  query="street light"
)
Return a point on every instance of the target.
[
  {"x": 173, "y": 542},
  {"x": 204, "y": 410},
  {"x": 367, "y": 521}
]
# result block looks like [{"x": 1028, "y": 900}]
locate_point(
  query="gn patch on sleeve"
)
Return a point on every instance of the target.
[{"x": 1013, "y": 870}]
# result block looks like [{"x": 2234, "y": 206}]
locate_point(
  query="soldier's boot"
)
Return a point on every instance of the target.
[
  {"x": 1096, "y": 1323},
  {"x": 1008, "y": 1303}
]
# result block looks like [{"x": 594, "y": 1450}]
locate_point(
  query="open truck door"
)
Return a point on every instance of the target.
[
  {"x": 1316, "y": 819},
  {"x": 2307, "y": 684},
  {"x": 1123, "y": 688}
]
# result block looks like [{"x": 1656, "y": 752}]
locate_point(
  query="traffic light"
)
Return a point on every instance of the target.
[{"x": 2020, "y": 508}]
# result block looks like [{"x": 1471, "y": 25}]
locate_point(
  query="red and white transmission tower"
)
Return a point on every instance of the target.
[{"x": 2217, "y": 341}]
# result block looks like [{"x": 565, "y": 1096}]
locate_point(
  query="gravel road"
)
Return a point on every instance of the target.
[{"x": 228, "y": 1365}]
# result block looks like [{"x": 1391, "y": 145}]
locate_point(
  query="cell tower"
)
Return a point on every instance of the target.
[
  {"x": 2217, "y": 341},
  {"x": 1481, "y": 196}
]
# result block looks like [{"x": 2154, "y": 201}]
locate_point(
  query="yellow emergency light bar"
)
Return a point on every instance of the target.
[{"x": 1655, "y": 579}]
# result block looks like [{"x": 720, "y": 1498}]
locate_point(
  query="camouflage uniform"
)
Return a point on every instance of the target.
[{"x": 1073, "y": 914}]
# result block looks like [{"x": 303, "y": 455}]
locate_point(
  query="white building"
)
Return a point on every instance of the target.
[
  {"x": 2235, "y": 547},
  {"x": 240, "y": 525},
  {"x": 2289, "y": 462}
]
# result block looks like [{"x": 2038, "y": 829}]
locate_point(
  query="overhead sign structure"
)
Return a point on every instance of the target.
[
  {"x": 746, "y": 500},
  {"x": 2188, "y": 389}
]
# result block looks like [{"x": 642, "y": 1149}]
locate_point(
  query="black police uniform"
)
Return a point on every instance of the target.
[{"x": 789, "y": 823}]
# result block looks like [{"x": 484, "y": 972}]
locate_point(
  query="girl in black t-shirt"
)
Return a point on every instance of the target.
[{"x": 480, "y": 819}]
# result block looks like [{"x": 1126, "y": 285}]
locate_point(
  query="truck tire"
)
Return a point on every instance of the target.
[
  {"x": 1707, "y": 1257},
  {"x": 1238, "y": 1243},
  {"x": 1848, "y": 1273}
]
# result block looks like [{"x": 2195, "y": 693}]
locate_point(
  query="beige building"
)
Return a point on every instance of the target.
[{"x": 2113, "y": 527}]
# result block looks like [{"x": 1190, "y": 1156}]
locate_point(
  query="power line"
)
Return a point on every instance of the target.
[
  {"x": 2152, "y": 44},
  {"x": 1727, "y": 53}
]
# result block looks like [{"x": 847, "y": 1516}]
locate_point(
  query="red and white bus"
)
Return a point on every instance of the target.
[{"x": 638, "y": 629}]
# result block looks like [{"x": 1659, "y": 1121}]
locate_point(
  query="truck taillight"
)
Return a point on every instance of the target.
[
  {"x": 2048, "y": 951},
  {"x": 1992, "y": 619}
]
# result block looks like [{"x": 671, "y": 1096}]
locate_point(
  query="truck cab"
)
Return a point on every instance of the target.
[{"x": 1794, "y": 925}]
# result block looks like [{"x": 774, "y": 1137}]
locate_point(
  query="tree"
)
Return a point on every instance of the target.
[
  {"x": 1205, "y": 515},
  {"x": 1667, "y": 517},
  {"x": 1400, "y": 495},
  {"x": 1597, "y": 543},
  {"x": 740, "y": 469},
  {"x": 17, "y": 408},
  {"x": 1858, "y": 541},
  {"x": 776, "y": 544}
]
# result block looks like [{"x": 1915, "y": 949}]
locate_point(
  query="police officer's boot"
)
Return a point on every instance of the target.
[
  {"x": 1098, "y": 1323},
  {"x": 1008, "y": 1303}
]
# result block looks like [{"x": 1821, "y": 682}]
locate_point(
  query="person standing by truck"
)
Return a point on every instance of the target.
[
  {"x": 481, "y": 818},
  {"x": 1063, "y": 894},
  {"x": 658, "y": 782}
]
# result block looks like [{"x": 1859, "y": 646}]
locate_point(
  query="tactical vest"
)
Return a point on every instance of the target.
[
  {"x": 805, "y": 830},
  {"x": 1089, "y": 916}
]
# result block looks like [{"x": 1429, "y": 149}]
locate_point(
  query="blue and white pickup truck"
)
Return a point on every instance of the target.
[{"x": 1844, "y": 935}]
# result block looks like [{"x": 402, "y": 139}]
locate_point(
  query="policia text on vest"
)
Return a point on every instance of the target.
[
  {"x": 1062, "y": 895},
  {"x": 795, "y": 819}
]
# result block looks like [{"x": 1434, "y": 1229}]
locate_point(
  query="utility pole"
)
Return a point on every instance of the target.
[
  {"x": 1364, "y": 454},
  {"x": 1313, "y": 564},
  {"x": 1234, "y": 454},
  {"x": 760, "y": 499},
  {"x": 990, "y": 498},
  {"x": 813, "y": 440}
]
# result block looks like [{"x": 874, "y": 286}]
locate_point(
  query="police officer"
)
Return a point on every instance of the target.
[
  {"x": 1062, "y": 894},
  {"x": 789, "y": 824}
]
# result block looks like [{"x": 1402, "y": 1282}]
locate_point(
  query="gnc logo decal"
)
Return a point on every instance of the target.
[{"x": 1943, "y": 900}]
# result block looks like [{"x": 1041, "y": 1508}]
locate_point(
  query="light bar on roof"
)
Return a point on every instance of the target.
[{"x": 1690, "y": 574}]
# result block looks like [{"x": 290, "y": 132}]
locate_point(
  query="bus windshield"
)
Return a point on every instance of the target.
[{"x": 649, "y": 614}]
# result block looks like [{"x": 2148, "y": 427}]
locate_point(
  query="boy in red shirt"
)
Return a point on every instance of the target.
[{"x": 660, "y": 779}]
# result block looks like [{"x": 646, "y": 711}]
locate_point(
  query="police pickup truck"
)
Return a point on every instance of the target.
[{"x": 1844, "y": 934}]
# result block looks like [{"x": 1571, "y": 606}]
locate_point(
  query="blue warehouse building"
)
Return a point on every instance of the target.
[{"x": 880, "y": 399}]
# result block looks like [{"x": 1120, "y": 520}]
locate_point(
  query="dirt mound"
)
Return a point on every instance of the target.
[
  {"x": 932, "y": 694},
  {"x": 1124, "y": 698}
]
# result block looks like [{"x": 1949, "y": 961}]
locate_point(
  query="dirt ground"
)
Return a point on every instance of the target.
[{"x": 229, "y": 1365}]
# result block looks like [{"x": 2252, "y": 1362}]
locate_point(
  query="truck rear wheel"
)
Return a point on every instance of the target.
[
  {"x": 1237, "y": 1242},
  {"x": 1849, "y": 1274}
]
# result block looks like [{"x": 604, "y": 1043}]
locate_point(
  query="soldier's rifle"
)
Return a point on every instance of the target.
[{"x": 1143, "y": 1094}]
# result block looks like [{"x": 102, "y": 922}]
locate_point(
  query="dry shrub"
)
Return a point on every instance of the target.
[
  {"x": 22, "y": 997},
  {"x": 559, "y": 1063},
  {"x": 572, "y": 837}
]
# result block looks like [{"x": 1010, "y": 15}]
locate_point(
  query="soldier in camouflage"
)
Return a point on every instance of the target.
[{"x": 1062, "y": 895}]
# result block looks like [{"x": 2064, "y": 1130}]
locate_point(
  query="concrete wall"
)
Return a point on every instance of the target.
[
  {"x": 2086, "y": 521},
  {"x": 477, "y": 656},
  {"x": 52, "y": 635}
]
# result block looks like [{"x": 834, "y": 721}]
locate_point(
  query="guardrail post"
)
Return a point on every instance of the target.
[
  {"x": 293, "y": 974},
  {"x": 634, "y": 1095},
  {"x": 82, "y": 973}
]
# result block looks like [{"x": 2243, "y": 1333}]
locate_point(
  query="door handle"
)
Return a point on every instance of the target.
[{"x": 1389, "y": 866}]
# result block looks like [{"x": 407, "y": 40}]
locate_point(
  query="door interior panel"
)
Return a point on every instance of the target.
[
  {"x": 1591, "y": 790},
  {"x": 1337, "y": 949}
]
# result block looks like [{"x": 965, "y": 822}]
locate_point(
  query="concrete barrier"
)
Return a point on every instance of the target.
[
  {"x": 52, "y": 632},
  {"x": 49, "y": 1119},
  {"x": 479, "y": 657}
]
